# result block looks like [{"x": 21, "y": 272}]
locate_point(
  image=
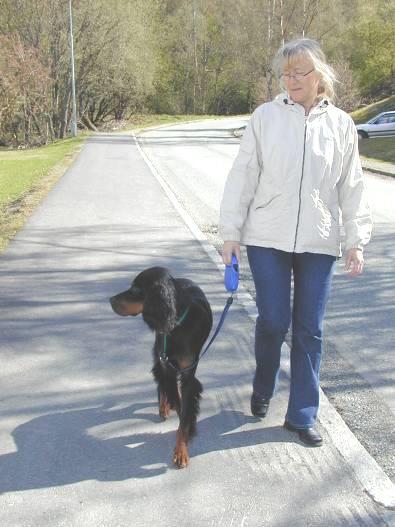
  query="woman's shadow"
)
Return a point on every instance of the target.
[{"x": 56, "y": 449}]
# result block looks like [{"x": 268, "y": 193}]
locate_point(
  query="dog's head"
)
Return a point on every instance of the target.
[{"x": 153, "y": 295}]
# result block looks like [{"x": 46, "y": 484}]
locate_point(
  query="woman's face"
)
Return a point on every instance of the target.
[{"x": 301, "y": 81}]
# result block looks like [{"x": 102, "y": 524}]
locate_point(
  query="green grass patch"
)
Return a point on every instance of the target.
[
  {"x": 381, "y": 148},
  {"x": 26, "y": 176},
  {"x": 362, "y": 115},
  {"x": 21, "y": 170}
]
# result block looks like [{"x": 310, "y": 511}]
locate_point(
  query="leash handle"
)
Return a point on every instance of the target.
[{"x": 231, "y": 276}]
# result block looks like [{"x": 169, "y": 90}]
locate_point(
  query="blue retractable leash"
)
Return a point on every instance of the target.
[{"x": 231, "y": 281}]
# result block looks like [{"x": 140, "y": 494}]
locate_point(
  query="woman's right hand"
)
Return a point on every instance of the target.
[{"x": 230, "y": 247}]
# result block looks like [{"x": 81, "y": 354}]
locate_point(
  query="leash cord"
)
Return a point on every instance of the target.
[{"x": 164, "y": 358}]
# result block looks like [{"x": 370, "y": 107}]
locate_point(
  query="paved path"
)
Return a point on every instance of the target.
[{"x": 80, "y": 440}]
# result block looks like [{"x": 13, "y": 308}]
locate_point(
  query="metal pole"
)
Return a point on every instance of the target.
[{"x": 74, "y": 113}]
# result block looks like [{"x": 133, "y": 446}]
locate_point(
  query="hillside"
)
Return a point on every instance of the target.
[{"x": 367, "y": 112}]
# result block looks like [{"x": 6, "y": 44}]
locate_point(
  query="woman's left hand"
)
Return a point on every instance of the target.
[{"x": 354, "y": 262}]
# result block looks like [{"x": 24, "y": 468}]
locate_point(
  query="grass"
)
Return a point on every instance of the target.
[
  {"x": 368, "y": 112},
  {"x": 380, "y": 148},
  {"x": 25, "y": 178},
  {"x": 20, "y": 170}
]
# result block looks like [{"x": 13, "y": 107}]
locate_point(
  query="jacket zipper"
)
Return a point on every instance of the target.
[{"x": 301, "y": 181}]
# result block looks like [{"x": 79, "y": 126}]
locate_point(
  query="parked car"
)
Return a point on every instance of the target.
[{"x": 381, "y": 125}]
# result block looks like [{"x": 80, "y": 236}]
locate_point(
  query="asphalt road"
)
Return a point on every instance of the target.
[
  {"x": 81, "y": 444},
  {"x": 358, "y": 371}
]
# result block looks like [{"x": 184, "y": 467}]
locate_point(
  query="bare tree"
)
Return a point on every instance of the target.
[{"x": 23, "y": 89}]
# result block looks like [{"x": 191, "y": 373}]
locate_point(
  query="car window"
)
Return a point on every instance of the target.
[{"x": 386, "y": 118}]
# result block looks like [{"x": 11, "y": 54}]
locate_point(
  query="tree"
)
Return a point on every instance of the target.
[
  {"x": 373, "y": 58},
  {"x": 121, "y": 74},
  {"x": 114, "y": 56},
  {"x": 23, "y": 89}
]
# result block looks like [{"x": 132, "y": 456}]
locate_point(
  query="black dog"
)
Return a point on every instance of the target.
[{"x": 179, "y": 313}]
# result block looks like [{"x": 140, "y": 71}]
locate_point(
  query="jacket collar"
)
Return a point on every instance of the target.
[{"x": 284, "y": 100}]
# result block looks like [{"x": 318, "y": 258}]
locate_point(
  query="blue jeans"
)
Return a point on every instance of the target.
[{"x": 312, "y": 275}]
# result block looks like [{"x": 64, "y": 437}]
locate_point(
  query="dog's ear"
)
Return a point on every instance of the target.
[{"x": 160, "y": 308}]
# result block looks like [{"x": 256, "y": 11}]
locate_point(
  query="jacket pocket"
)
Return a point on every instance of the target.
[{"x": 266, "y": 203}]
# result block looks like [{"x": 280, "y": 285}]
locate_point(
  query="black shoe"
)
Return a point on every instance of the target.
[
  {"x": 308, "y": 436},
  {"x": 259, "y": 405}
]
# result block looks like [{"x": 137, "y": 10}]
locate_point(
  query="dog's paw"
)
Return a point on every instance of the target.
[
  {"x": 164, "y": 412},
  {"x": 181, "y": 455}
]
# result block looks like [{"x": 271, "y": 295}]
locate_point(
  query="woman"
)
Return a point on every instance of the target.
[{"x": 297, "y": 168}]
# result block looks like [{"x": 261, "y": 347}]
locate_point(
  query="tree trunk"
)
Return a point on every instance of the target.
[
  {"x": 37, "y": 125},
  {"x": 26, "y": 125},
  {"x": 88, "y": 123},
  {"x": 50, "y": 127},
  {"x": 64, "y": 122}
]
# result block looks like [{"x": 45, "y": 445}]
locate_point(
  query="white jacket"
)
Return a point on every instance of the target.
[{"x": 292, "y": 177}]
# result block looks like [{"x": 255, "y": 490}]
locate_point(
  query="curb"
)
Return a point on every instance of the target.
[
  {"x": 376, "y": 169},
  {"x": 139, "y": 131}
]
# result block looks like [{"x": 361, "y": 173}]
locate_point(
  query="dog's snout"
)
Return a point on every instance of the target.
[
  {"x": 122, "y": 306},
  {"x": 113, "y": 304}
]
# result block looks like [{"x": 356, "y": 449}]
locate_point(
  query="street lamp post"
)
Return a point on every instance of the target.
[{"x": 74, "y": 106}]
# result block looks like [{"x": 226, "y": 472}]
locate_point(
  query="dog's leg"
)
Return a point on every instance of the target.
[
  {"x": 168, "y": 397},
  {"x": 181, "y": 454},
  {"x": 164, "y": 406},
  {"x": 190, "y": 397}
]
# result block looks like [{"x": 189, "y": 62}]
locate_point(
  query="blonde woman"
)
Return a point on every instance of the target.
[{"x": 297, "y": 169}]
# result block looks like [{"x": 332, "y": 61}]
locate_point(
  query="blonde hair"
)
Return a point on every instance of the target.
[{"x": 311, "y": 50}]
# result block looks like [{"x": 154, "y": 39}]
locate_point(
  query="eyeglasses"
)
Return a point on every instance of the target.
[{"x": 297, "y": 76}]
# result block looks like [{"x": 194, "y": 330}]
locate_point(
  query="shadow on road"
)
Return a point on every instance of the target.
[{"x": 58, "y": 449}]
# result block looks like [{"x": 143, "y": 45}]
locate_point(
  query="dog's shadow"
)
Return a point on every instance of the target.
[{"x": 59, "y": 449}]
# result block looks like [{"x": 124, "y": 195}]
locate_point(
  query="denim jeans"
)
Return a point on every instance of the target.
[{"x": 312, "y": 274}]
